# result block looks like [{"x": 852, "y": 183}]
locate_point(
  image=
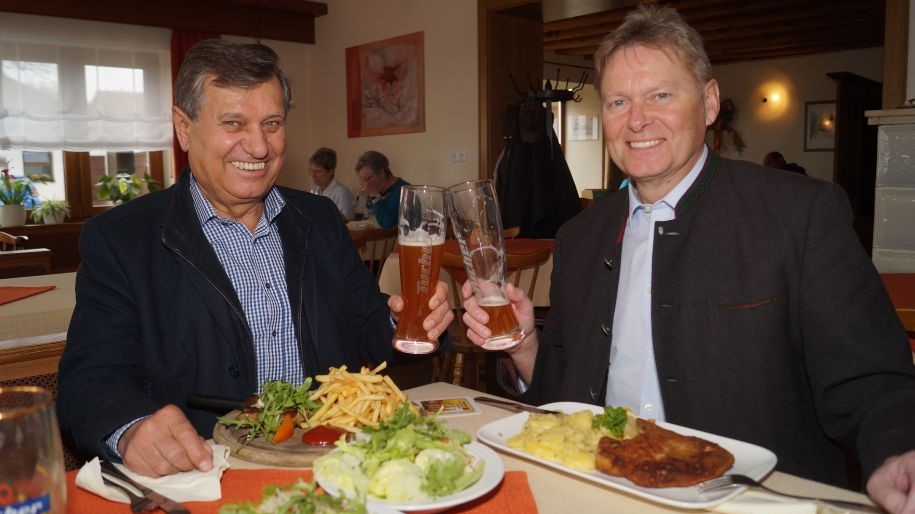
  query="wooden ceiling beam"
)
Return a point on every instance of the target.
[{"x": 286, "y": 20}]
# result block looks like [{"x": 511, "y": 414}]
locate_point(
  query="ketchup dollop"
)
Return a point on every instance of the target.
[{"x": 322, "y": 435}]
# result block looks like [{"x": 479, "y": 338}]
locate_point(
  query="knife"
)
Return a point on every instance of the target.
[
  {"x": 166, "y": 504},
  {"x": 514, "y": 406}
]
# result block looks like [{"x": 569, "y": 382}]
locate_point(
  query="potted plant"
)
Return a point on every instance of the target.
[
  {"x": 124, "y": 186},
  {"x": 51, "y": 212},
  {"x": 13, "y": 195}
]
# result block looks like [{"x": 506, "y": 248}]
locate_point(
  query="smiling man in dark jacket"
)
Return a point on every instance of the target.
[{"x": 217, "y": 284}]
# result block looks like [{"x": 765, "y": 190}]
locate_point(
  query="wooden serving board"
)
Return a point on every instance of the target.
[{"x": 291, "y": 453}]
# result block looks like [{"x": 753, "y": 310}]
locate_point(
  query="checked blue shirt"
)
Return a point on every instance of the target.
[{"x": 255, "y": 266}]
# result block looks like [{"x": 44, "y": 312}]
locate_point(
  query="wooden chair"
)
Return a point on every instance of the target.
[
  {"x": 10, "y": 242},
  {"x": 374, "y": 246},
  {"x": 901, "y": 288},
  {"x": 36, "y": 365},
  {"x": 17, "y": 261},
  {"x": 450, "y": 367},
  {"x": 511, "y": 232}
]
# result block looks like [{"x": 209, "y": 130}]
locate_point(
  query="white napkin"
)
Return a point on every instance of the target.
[
  {"x": 189, "y": 486},
  {"x": 761, "y": 502}
]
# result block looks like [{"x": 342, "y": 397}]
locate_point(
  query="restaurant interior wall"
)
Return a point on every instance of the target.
[
  {"x": 451, "y": 97},
  {"x": 805, "y": 80}
]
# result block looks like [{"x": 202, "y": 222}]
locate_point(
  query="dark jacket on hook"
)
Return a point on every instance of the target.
[{"x": 535, "y": 187}]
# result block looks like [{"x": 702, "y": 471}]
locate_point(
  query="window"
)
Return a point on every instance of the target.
[{"x": 81, "y": 99}]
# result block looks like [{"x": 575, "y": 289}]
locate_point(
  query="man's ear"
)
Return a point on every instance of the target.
[
  {"x": 182, "y": 123},
  {"x": 712, "y": 101}
]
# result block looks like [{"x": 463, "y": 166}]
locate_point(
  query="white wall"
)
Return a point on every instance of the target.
[
  {"x": 804, "y": 79},
  {"x": 318, "y": 77},
  {"x": 585, "y": 157}
]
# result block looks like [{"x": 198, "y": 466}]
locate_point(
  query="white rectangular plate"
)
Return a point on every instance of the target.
[{"x": 749, "y": 459}]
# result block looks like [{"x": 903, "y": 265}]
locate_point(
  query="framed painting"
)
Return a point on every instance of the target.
[
  {"x": 819, "y": 126},
  {"x": 384, "y": 87}
]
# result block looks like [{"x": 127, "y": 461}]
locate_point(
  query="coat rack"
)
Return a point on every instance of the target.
[{"x": 547, "y": 93}]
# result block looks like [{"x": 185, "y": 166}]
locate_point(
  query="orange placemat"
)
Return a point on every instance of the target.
[
  {"x": 512, "y": 496},
  {"x": 12, "y": 293}
]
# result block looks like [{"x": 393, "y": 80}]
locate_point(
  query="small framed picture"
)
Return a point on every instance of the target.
[{"x": 819, "y": 126}]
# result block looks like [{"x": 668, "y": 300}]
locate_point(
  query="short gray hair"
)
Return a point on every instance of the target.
[
  {"x": 661, "y": 28},
  {"x": 241, "y": 65},
  {"x": 325, "y": 158},
  {"x": 376, "y": 161}
]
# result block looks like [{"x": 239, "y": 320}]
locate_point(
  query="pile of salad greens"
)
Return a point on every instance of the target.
[
  {"x": 277, "y": 400},
  {"x": 407, "y": 458},
  {"x": 298, "y": 498}
]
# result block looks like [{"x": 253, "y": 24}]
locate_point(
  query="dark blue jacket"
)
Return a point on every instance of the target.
[
  {"x": 157, "y": 317},
  {"x": 770, "y": 323}
]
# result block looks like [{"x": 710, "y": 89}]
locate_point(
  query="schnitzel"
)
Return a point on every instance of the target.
[{"x": 658, "y": 457}]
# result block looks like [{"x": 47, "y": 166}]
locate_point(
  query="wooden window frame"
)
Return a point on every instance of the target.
[{"x": 79, "y": 185}]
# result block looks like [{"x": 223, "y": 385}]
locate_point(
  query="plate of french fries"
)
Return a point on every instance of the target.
[{"x": 344, "y": 400}]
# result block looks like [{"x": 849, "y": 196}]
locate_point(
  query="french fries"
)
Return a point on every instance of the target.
[{"x": 354, "y": 400}]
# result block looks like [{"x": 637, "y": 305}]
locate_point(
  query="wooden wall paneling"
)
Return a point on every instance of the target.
[
  {"x": 510, "y": 43},
  {"x": 286, "y": 20},
  {"x": 895, "y": 53},
  {"x": 855, "y": 157}
]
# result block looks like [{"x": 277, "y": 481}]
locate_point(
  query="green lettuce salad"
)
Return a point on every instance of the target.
[
  {"x": 407, "y": 458},
  {"x": 298, "y": 498}
]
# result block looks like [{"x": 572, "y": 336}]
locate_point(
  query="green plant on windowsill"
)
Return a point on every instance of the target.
[
  {"x": 124, "y": 186},
  {"x": 51, "y": 212},
  {"x": 13, "y": 191}
]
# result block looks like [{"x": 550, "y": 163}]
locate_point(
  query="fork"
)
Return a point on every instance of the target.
[
  {"x": 137, "y": 503},
  {"x": 726, "y": 481}
]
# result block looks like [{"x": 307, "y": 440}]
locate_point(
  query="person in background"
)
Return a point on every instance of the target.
[
  {"x": 716, "y": 294},
  {"x": 322, "y": 165},
  {"x": 777, "y": 161},
  {"x": 217, "y": 284},
  {"x": 381, "y": 186}
]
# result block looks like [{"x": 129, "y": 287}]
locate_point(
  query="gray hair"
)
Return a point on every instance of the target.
[
  {"x": 324, "y": 158},
  {"x": 240, "y": 65},
  {"x": 376, "y": 161},
  {"x": 661, "y": 28}
]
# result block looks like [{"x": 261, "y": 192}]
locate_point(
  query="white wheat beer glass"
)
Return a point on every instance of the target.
[
  {"x": 421, "y": 234},
  {"x": 477, "y": 223},
  {"x": 31, "y": 457}
]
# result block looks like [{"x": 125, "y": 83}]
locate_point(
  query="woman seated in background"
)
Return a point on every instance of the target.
[{"x": 322, "y": 165}]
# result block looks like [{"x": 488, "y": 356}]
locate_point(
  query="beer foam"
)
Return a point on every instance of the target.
[
  {"x": 493, "y": 301},
  {"x": 430, "y": 242}
]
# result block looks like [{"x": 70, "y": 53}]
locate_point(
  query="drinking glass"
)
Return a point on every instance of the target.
[
  {"x": 477, "y": 221},
  {"x": 421, "y": 234},
  {"x": 31, "y": 456}
]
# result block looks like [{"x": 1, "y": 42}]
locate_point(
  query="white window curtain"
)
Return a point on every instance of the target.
[{"x": 81, "y": 85}]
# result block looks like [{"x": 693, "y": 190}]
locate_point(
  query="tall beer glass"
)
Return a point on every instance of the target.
[
  {"x": 421, "y": 234},
  {"x": 31, "y": 458},
  {"x": 477, "y": 223}
]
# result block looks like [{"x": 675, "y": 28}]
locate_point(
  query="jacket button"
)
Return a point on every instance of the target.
[
  {"x": 609, "y": 264},
  {"x": 605, "y": 329},
  {"x": 233, "y": 372}
]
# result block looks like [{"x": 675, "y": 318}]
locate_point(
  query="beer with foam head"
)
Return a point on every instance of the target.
[
  {"x": 506, "y": 331},
  {"x": 419, "y": 269},
  {"x": 421, "y": 235}
]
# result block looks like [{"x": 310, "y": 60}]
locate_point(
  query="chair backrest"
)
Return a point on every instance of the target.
[
  {"x": 511, "y": 232},
  {"x": 374, "y": 246},
  {"x": 517, "y": 264},
  {"x": 10, "y": 242}
]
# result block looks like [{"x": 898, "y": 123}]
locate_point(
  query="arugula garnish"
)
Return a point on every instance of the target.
[
  {"x": 613, "y": 419},
  {"x": 277, "y": 398}
]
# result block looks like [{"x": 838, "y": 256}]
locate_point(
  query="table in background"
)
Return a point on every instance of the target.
[
  {"x": 389, "y": 281},
  {"x": 558, "y": 492},
  {"x": 33, "y": 330}
]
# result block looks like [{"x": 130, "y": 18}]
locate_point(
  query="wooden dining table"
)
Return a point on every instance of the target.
[{"x": 555, "y": 491}]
